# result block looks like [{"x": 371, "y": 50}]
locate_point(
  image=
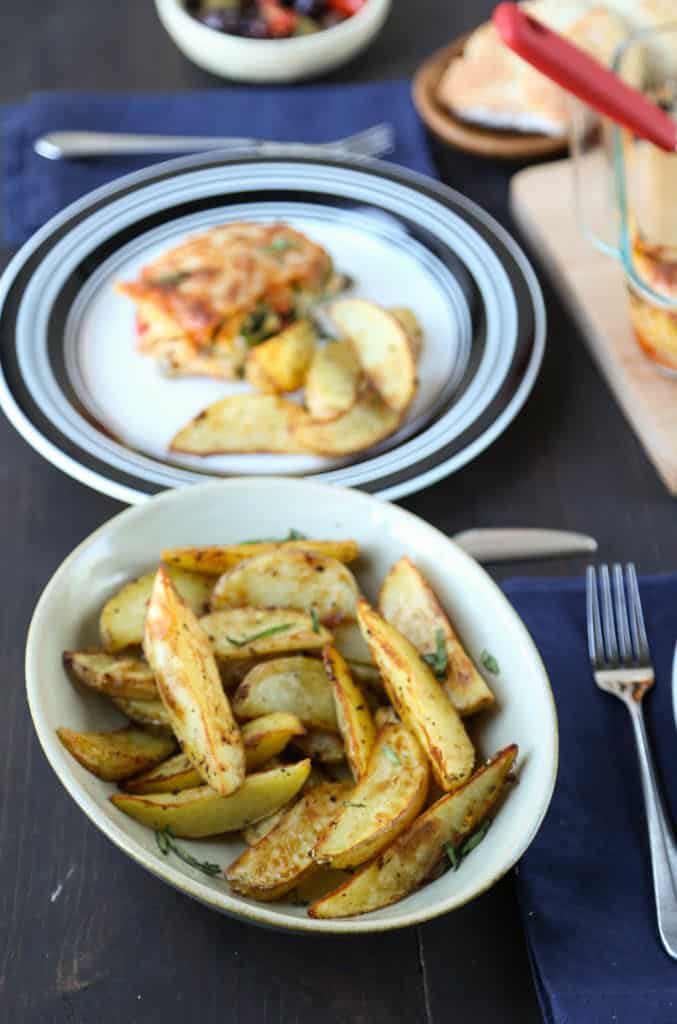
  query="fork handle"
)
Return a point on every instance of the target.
[{"x": 661, "y": 839}]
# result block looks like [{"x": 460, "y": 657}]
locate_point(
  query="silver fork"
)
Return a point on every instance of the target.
[
  {"x": 619, "y": 652},
  {"x": 378, "y": 140}
]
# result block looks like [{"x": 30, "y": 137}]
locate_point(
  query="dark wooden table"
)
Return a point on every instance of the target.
[{"x": 118, "y": 945}]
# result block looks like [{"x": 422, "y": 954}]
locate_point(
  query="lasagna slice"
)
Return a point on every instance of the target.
[{"x": 202, "y": 304}]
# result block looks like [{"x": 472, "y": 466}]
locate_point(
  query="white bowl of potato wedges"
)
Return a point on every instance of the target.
[{"x": 297, "y": 704}]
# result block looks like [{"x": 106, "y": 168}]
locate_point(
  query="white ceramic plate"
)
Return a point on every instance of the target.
[
  {"x": 66, "y": 618},
  {"x": 73, "y": 383}
]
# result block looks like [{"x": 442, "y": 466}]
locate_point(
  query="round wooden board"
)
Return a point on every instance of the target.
[{"x": 498, "y": 145}]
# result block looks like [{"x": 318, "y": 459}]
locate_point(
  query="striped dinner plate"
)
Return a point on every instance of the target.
[{"x": 75, "y": 386}]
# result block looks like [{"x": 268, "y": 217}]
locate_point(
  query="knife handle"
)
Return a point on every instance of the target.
[{"x": 506, "y": 545}]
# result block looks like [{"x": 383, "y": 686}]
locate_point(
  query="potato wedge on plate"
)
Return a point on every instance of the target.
[
  {"x": 408, "y": 603},
  {"x": 296, "y": 685},
  {"x": 116, "y": 676},
  {"x": 366, "y": 423},
  {"x": 171, "y": 776},
  {"x": 409, "y": 321},
  {"x": 382, "y": 346},
  {"x": 242, "y": 423},
  {"x": 122, "y": 619},
  {"x": 113, "y": 756},
  {"x": 333, "y": 381},
  {"x": 267, "y": 737},
  {"x": 412, "y": 857},
  {"x": 419, "y": 699},
  {"x": 193, "y": 813},
  {"x": 387, "y": 798},
  {"x": 190, "y": 687},
  {"x": 321, "y": 746},
  {"x": 352, "y": 712},
  {"x": 216, "y": 559},
  {"x": 283, "y": 857},
  {"x": 253, "y": 834},
  {"x": 350, "y": 643},
  {"x": 237, "y": 634},
  {"x": 263, "y": 738},
  {"x": 144, "y": 712},
  {"x": 290, "y": 579},
  {"x": 281, "y": 363}
]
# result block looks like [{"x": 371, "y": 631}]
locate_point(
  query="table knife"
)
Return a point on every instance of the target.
[{"x": 507, "y": 545}]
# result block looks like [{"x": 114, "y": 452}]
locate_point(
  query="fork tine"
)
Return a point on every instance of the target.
[
  {"x": 637, "y": 627},
  {"x": 595, "y": 641},
  {"x": 622, "y": 626},
  {"x": 608, "y": 616}
]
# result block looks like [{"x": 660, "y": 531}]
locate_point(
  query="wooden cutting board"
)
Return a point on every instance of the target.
[{"x": 542, "y": 203}]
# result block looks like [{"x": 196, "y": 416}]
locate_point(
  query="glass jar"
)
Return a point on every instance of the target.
[{"x": 636, "y": 221}]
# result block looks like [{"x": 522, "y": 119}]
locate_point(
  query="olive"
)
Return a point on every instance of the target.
[
  {"x": 220, "y": 21},
  {"x": 310, "y": 8}
]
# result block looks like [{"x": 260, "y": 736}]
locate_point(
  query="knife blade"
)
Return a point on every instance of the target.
[{"x": 507, "y": 545}]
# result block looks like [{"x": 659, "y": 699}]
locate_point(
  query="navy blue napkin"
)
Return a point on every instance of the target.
[
  {"x": 585, "y": 883},
  {"x": 33, "y": 189}
]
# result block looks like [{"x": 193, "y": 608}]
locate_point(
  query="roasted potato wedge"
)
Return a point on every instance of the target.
[
  {"x": 387, "y": 798},
  {"x": 283, "y": 857},
  {"x": 114, "y": 675},
  {"x": 409, "y": 321},
  {"x": 382, "y": 346},
  {"x": 408, "y": 603},
  {"x": 319, "y": 883},
  {"x": 171, "y": 776},
  {"x": 123, "y": 616},
  {"x": 419, "y": 699},
  {"x": 144, "y": 712},
  {"x": 386, "y": 715},
  {"x": 216, "y": 559},
  {"x": 242, "y": 423},
  {"x": 352, "y": 712},
  {"x": 267, "y": 736},
  {"x": 263, "y": 738},
  {"x": 321, "y": 746},
  {"x": 113, "y": 756},
  {"x": 282, "y": 362},
  {"x": 412, "y": 857},
  {"x": 237, "y": 634},
  {"x": 333, "y": 381},
  {"x": 349, "y": 642},
  {"x": 193, "y": 813},
  {"x": 290, "y": 579},
  {"x": 253, "y": 834},
  {"x": 366, "y": 423},
  {"x": 190, "y": 687},
  {"x": 296, "y": 685}
]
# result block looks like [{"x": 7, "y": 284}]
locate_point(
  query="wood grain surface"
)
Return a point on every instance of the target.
[{"x": 87, "y": 937}]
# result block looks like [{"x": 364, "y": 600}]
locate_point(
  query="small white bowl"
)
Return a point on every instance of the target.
[
  {"x": 230, "y": 510},
  {"x": 271, "y": 60}
]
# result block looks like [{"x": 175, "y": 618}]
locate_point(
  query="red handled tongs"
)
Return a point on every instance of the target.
[{"x": 583, "y": 76}]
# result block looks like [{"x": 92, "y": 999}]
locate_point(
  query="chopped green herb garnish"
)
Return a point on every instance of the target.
[
  {"x": 316, "y": 620},
  {"x": 348, "y": 803},
  {"x": 489, "y": 662},
  {"x": 280, "y": 245},
  {"x": 391, "y": 754},
  {"x": 457, "y": 855},
  {"x": 258, "y": 636},
  {"x": 167, "y": 844},
  {"x": 475, "y": 839},
  {"x": 169, "y": 280},
  {"x": 259, "y": 325},
  {"x": 454, "y": 858},
  {"x": 292, "y": 535},
  {"x": 440, "y": 659}
]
